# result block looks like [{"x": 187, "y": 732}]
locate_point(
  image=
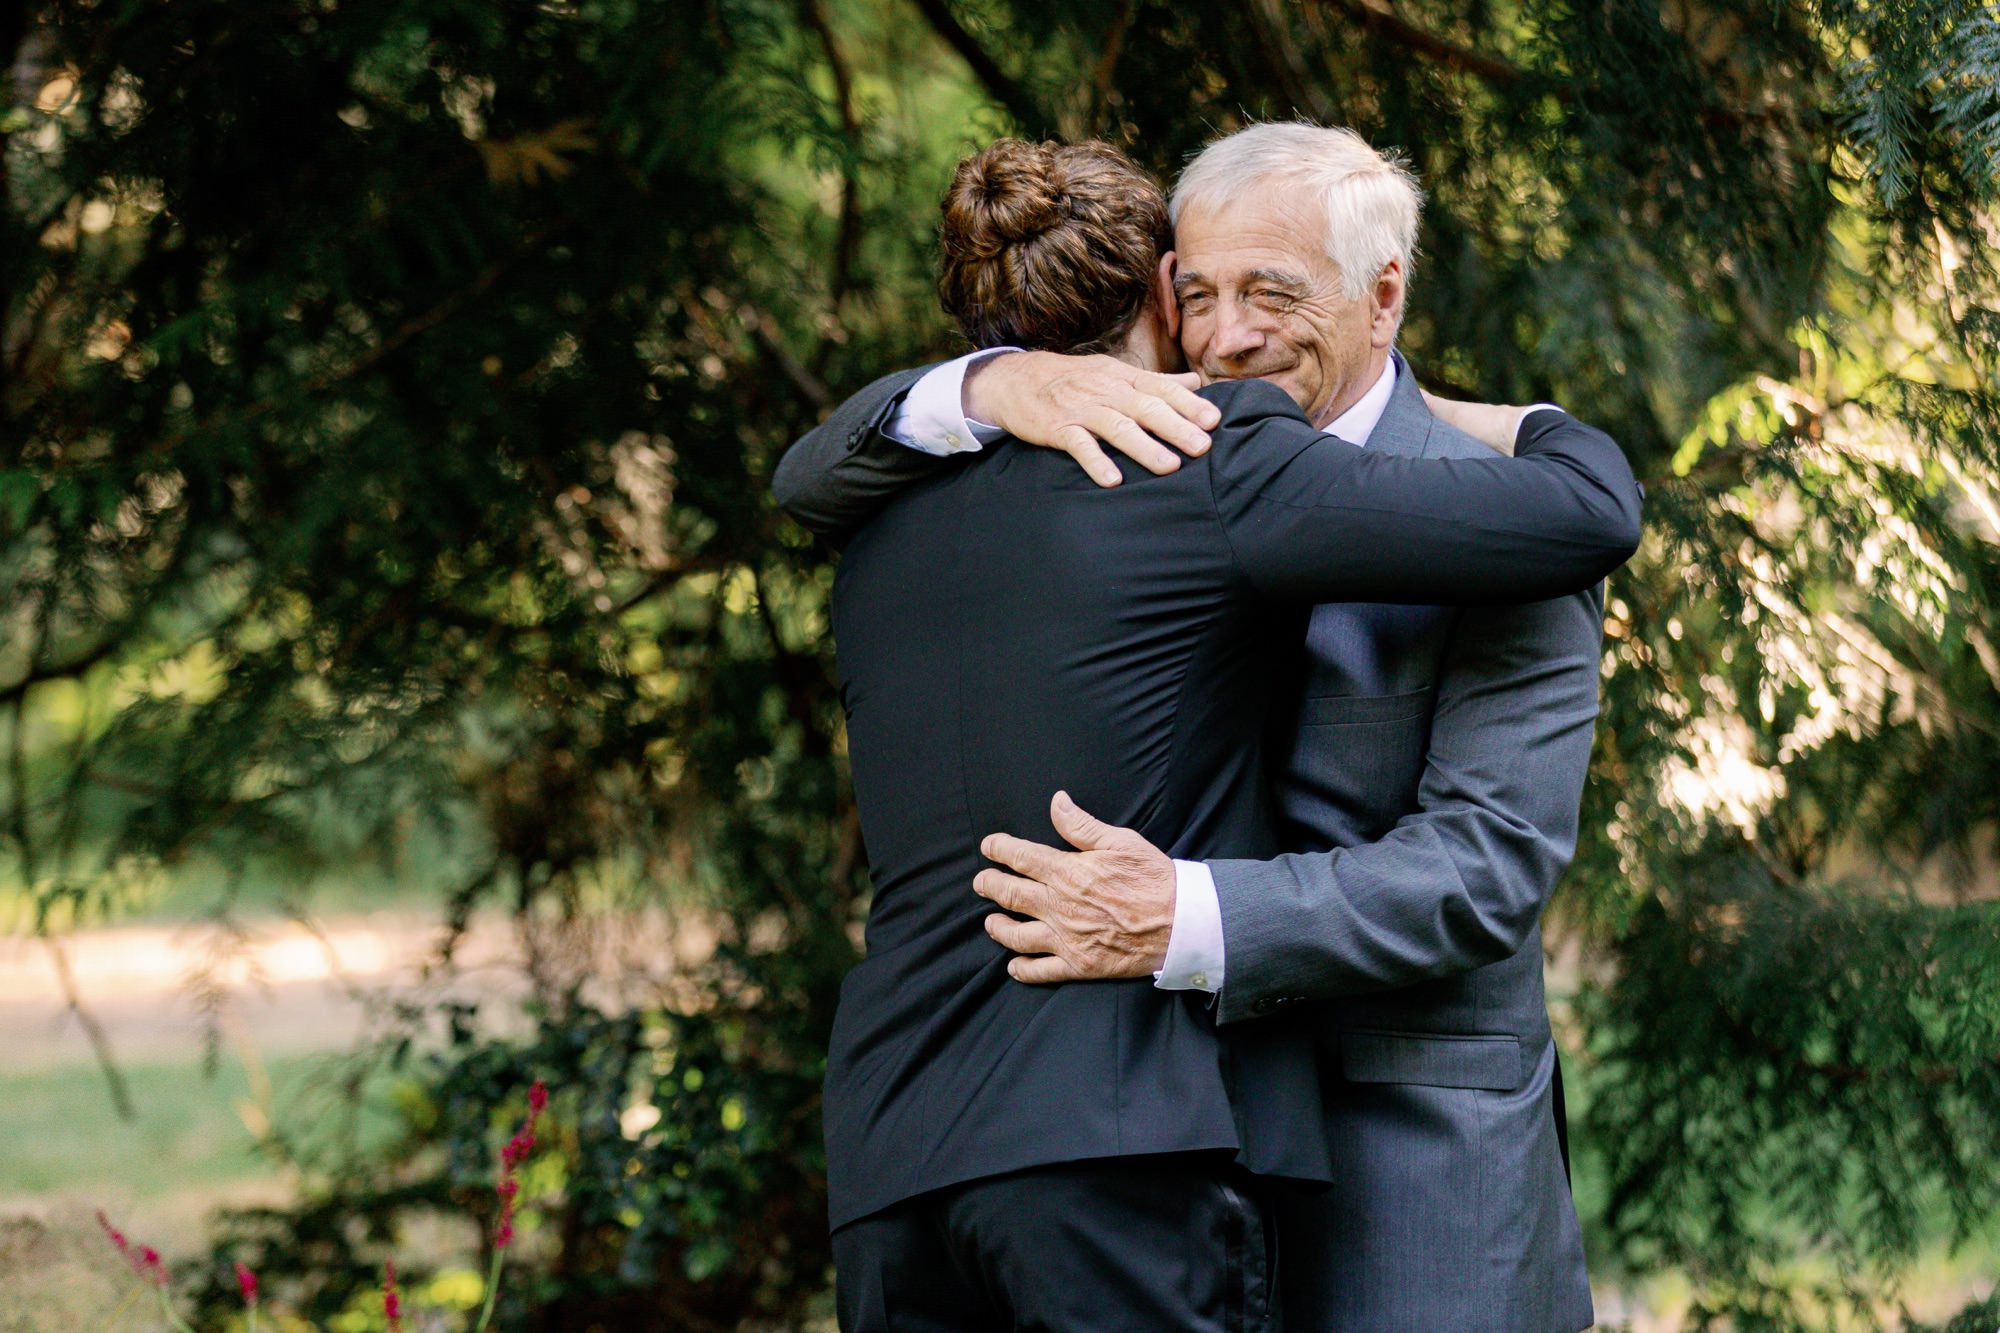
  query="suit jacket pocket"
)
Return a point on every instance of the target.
[
  {"x": 1347, "y": 709},
  {"x": 1439, "y": 1060}
]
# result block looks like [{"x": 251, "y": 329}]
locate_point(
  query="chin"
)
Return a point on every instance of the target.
[{"x": 1289, "y": 382}]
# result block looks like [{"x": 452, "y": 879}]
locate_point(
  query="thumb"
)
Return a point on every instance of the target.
[{"x": 1082, "y": 831}]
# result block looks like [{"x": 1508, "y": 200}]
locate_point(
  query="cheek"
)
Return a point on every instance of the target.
[
  {"x": 1320, "y": 342},
  {"x": 1196, "y": 330},
  {"x": 1308, "y": 348}
]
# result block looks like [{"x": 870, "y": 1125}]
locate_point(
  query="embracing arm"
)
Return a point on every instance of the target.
[
  {"x": 1461, "y": 882},
  {"x": 897, "y": 430},
  {"x": 1311, "y": 517},
  {"x": 1456, "y": 885},
  {"x": 840, "y": 472}
]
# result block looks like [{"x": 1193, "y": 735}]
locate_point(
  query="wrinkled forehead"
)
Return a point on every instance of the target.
[{"x": 1262, "y": 233}]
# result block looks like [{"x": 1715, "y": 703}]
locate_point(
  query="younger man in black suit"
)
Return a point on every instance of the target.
[{"x": 1003, "y": 1156}]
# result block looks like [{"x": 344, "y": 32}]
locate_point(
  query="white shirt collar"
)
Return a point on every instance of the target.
[{"x": 1357, "y": 422}]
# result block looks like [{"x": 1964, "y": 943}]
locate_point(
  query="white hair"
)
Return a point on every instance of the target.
[{"x": 1371, "y": 200}]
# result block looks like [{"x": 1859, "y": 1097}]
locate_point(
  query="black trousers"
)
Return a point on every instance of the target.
[{"x": 1170, "y": 1243}]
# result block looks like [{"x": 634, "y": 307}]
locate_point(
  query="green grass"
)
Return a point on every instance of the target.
[{"x": 190, "y": 1143}]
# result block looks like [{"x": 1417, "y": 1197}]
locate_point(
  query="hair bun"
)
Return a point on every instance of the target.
[
  {"x": 1050, "y": 245},
  {"x": 1009, "y": 194}
]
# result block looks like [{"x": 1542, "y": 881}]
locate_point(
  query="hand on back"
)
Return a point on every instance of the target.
[
  {"x": 1078, "y": 404},
  {"x": 1494, "y": 425}
]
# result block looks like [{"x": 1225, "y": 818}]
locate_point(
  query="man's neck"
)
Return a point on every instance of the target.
[
  {"x": 1355, "y": 390},
  {"x": 1358, "y": 421},
  {"x": 1148, "y": 346}
]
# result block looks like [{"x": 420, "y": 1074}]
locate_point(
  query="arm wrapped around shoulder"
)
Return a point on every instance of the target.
[{"x": 1312, "y": 517}]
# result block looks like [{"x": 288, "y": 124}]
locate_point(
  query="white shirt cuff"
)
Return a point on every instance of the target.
[
  {"x": 931, "y": 418},
  {"x": 1194, "y": 948}
]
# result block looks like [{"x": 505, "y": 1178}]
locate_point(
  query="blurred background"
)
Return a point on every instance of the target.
[{"x": 408, "y": 690}]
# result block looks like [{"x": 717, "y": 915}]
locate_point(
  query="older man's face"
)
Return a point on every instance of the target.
[{"x": 1259, "y": 298}]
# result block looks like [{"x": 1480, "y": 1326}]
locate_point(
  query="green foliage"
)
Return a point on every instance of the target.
[
  {"x": 1742, "y": 1127},
  {"x": 390, "y": 392},
  {"x": 668, "y": 1189}
]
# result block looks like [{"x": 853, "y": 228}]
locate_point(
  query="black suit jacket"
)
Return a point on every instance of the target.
[{"x": 1006, "y": 628}]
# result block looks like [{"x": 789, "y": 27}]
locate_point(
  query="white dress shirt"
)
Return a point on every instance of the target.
[{"x": 932, "y": 419}]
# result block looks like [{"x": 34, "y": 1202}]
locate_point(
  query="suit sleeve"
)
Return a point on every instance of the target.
[
  {"x": 1311, "y": 517},
  {"x": 838, "y": 474},
  {"x": 1462, "y": 881}
]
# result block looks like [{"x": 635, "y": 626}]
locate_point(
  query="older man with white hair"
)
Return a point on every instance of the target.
[{"x": 1429, "y": 791}]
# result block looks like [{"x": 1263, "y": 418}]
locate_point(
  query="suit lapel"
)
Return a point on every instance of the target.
[{"x": 1405, "y": 427}]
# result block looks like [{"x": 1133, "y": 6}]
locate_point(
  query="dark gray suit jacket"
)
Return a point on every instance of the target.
[
  {"x": 1430, "y": 790},
  {"x": 1144, "y": 689}
]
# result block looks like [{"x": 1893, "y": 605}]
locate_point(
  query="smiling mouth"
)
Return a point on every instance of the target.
[{"x": 1250, "y": 374}]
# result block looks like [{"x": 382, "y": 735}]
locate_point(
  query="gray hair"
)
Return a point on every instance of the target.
[{"x": 1371, "y": 200}]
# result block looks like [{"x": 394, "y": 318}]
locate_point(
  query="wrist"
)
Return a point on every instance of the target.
[{"x": 980, "y": 393}]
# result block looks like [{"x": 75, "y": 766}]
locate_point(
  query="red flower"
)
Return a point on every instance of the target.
[
  {"x": 117, "y": 1238},
  {"x": 511, "y": 1156},
  {"x": 246, "y": 1282},
  {"x": 392, "y": 1304},
  {"x": 145, "y": 1261}
]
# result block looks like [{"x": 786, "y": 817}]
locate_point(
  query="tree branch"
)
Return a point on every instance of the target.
[
  {"x": 438, "y": 312},
  {"x": 1841, "y": 1073},
  {"x": 1104, "y": 79},
  {"x": 1284, "y": 64},
  {"x": 1376, "y": 17},
  {"x": 765, "y": 330},
  {"x": 1020, "y": 104},
  {"x": 13, "y": 44},
  {"x": 140, "y": 608},
  {"x": 100, "y": 1044},
  {"x": 849, "y": 235}
]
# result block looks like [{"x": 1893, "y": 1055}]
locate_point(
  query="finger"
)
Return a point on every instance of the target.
[
  {"x": 1030, "y": 858},
  {"x": 1021, "y": 936},
  {"x": 1043, "y": 971},
  {"x": 1083, "y": 831},
  {"x": 1025, "y": 896},
  {"x": 1178, "y": 392},
  {"x": 1081, "y": 445},
  {"x": 1162, "y": 418},
  {"x": 1128, "y": 438}
]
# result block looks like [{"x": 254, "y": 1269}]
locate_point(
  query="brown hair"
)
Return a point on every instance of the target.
[{"x": 1050, "y": 245}]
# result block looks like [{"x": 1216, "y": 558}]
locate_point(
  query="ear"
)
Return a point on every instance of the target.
[
  {"x": 1386, "y": 304},
  {"x": 1163, "y": 292}
]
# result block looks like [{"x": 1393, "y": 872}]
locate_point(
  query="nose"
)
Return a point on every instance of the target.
[{"x": 1236, "y": 334}]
